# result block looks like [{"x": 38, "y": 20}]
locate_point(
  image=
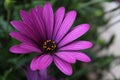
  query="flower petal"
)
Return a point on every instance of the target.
[
  {"x": 44, "y": 61},
  {"x": 59, "y": 15},
  {"x": 29, "y": 21},
  {"x": 38, "y": 23},
  {"x": 25, "y": 48},
  {"x": 66, "y": 56},
  {"x": 34, "y": 64},
  {"x": 41, "y": 62},
  {"x": 19, "y": 36},
  {"x": 78, "y": 45},
  {"x": 30, "y": 46},
  {"x": 18, "y": 50},
  {"x": 25, "y": 17},
  {"x": 31, "y": 75},
  {"x": 81, "y": 56},
  {"x": 74, "y": 34},
  {"x": 39, "y": 9},
  {"x": 65, "y": 26},
  {"x": 63, "y": 66},
  {"x": 25, "y": 29},
  {"x": 48, "y": 18}
]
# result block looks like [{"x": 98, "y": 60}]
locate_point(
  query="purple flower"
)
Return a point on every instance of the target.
[
  {"x": 49, "y": 35},
  {"x": 118, "y": 1},
  {"x": 37, "y": 75}
]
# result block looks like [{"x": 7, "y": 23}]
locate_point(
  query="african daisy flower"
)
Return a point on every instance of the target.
[
  {"x": 37, "y": 75},
  {"x": 49, "y": 35},
  {"x": 118, "y": 1}
]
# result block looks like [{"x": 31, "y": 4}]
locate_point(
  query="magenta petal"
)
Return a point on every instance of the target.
[
  {"x": 18, "y": 50},
  {"x": 39, "y": 9},
  {"x": 81, "y": 56},
  {"x": 24, "y": 48},
  {"x": 41, "y": 62},
  {"x": 59, "y": 15},
  {"x": 78, "y": 45},
  {"x": 31, "y": 75},
  {"x": 31, "y": 47},
  {"x": 34, "y": 63},
  {"x": 38, "y": 24},
  {"x": 66, "y": 24},
  {"x": 44, "y": 61},
  {"x": 19, "y": 25},
  {"x": 48, "y": 18},
  {"x": 25, "y": 17},
  {"x": 28, "y": 20},
  {"x": 63, "y": 66},
  {"x": 19, "y": 36},
  {"x": 74, "y": 34},
  {"x": 25, "y": 29},
  {"x": 66, "y": 56}
]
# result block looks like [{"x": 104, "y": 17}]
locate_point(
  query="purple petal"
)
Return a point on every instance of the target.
[
  {"x": 31, "y": 75},
  {"x": 30, "y": 46},
  {"x": 74, "y": 34},
  {"x": 63, "y": 66},
  {"x": 39, "y": 10},
  {"x": 78, "y": 45},
  {"x": 25, "y": 48},
  {"x": 29, "y": 21},
  {"x": 41, "y": 62},
  {"x": 19, "y": 36},
  {"x": 37, "y": 23},
  {"x": 25, "y": 29},
  {"x": 59, "y": 15},
  {"x": 48, "y": 18},
  {"x": 43, "y": 73},
  {"x": 34, "y": 63},
  {"x": 18, "y": 50},
  {"x": 25, "y": 17},
  {"x": 81, "y": 56},
  {"x": 66, "y": 56},
  {"x": 37, "y": 75},
  {"x": 65, "y": 26}
]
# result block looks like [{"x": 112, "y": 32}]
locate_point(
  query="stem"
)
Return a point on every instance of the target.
[
  {"x": 8, "y": 19},
  {"x": 90, "y": 3}
]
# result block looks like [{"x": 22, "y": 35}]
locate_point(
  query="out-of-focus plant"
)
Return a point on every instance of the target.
[{"x": 88, "y": 11}]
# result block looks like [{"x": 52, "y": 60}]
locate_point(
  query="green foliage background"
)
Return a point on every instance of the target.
[{"x": 88, "y": 11}]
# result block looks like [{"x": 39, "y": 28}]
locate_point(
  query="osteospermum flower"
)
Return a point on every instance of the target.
[
  {"x": 49, "y": 34},
  {"x": 37, "y": 75},
  {"x": 118, "y": 1}
]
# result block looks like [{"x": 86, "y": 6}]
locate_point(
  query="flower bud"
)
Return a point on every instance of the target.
[{"x": 9, "y": 4}]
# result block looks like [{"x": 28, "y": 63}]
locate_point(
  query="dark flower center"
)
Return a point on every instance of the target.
[{"x": 49, "y": 46}]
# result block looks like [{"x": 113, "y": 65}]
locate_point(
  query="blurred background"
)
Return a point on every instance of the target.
[{"x": 104, "y": 17}]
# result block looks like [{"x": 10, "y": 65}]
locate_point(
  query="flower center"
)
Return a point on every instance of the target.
[{"x": 49, "y": 46}]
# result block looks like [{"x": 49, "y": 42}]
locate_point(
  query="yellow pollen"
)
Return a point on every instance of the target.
[{"x": 49, "y": 46}]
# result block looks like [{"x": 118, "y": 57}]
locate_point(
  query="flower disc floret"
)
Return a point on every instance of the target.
[{"x": 49, "y": 46}]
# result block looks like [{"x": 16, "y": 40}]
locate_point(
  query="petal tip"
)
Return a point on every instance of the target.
[
  {"x": 86, "y": 26},
  {"x": 73, "y": 12},
  {"x": 10, "y": 33},
  {"x": 88, "y": 59},
  {"x": 32, "y": 68},
  {"x": 48, "y": 4},
  {"x": 12, "y": 49},
  {"x": 91, "y": 44},
  {"x": 22, "y": 11},
  {"x": 69, "y": 74},
  {"x": 63, "y": 8},
  {"x": 12, "y": 22}
]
